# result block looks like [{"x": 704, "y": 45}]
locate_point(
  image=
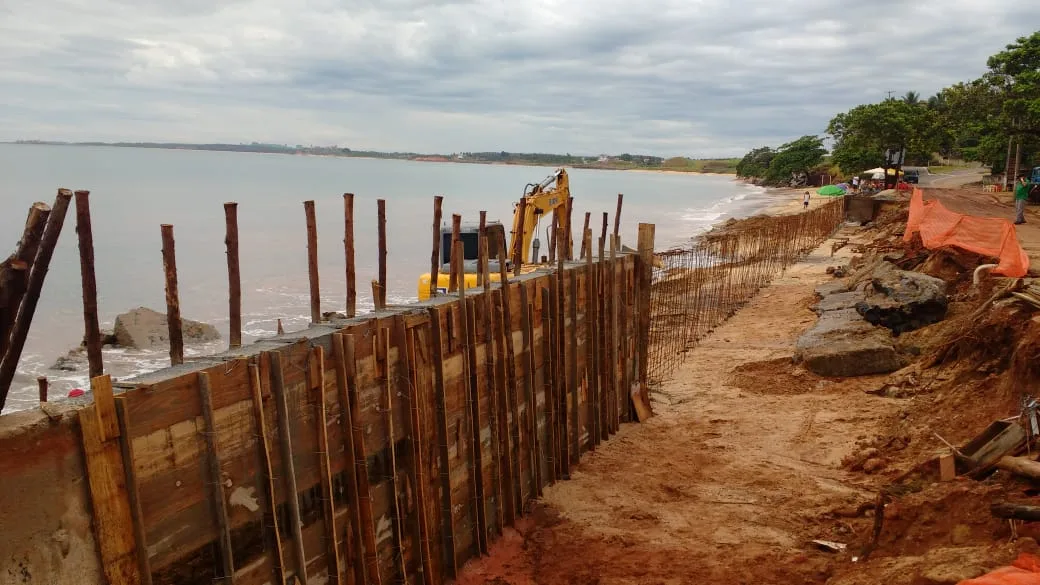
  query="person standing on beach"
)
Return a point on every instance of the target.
[
  {"x": 805, "y": 200},
  {"x": 1021, "y": 195}
]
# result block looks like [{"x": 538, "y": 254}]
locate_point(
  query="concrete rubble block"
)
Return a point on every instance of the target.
[
  {"x": 831, "y": 287},
  {"x": 143, "y": 328},
  {"x": 901, "y": 300},
  {"x": 841, "y": 344},
  {"x": 839, "y": 301}
]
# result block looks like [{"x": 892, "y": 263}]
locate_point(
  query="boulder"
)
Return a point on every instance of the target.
[
  {"x": 143, "y": 328},
  {"x": 901, "y": 300},
  {"x": 841, "y": 344},
  {"x": 73, "y": 361}
]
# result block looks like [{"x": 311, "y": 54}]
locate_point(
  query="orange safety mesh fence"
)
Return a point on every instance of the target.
[
  {"x": 1024, "y": 571},
  {"x": 989, "y": 236}
]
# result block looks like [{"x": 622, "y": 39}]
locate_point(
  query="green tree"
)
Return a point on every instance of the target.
[
  {"x": 912, "y": 97},
  {"x": 755, "y": 164},
  {"x": 864, "y": 133},
  {"x": 795, "y": 158},
  {"x": 1016, "y": 71}
]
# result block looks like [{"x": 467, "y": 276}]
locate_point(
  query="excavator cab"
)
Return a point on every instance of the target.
[
  {"x": 542, "y": 199},
  {"x": 469, "y": 236}
]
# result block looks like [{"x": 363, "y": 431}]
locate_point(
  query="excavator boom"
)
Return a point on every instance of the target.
[{"x": 539, "y": 199}]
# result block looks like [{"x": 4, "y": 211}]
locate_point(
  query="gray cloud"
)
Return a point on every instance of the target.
[{"x": 692, "y": 77}]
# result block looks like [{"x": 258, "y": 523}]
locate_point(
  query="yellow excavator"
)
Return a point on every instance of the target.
[{"x": 539, "y": 200}]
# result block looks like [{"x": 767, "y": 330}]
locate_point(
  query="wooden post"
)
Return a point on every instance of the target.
[
  {"x": 109, "y": 498},
  {"x": 173, "y": 303},
  {"x": 584, "y": 243},
  {"x": 133, "y": 495},
  {"x": 41, "y": 383},
  {"x": 603, "y": 330},
  {"x": 92, "y": 331},
  {"x": 15, "y": 270},
  {"x": 227, "y": 560},
  {"x": 435, "y": 258},
  {"x": 591, "y": 347},
  {"x": 492, "y": 383},
  {"x": 368, "y": 525},
  {"x": 527, "y": 359},
  {"x": 646, "y": 259},
  {"x": 505, "y": 460},
  {"x": 408, "y": 381},
  {"x": 312, "y": 261},
  {"x": 383, "y": 340},
  {"x": 469, "y": 334},
  {"x": 482, "y": 253},
  {"x": 272, "y": 533},
  {"x": 572, "y": 371},
  {"x": 234, "y": 276},
  {"x": 455, "y": 269},
  {"x": 507, "y": 331},
  {"x": 612, "y": 349},
  {"x": 381, "y": 212},
  {"x": 548, "y": 375},
  {"x": 569, "y": 233},
  {"x": 518, "y": 239},
  {"x": 617, "y": 217},
  {"x": 348, "y": 252},
  {"x": 316, "y": 382},
  {"x": 377, "y": 296},
  {"x": 603, "y": 231},
  {"x": 350, "y": 473},
  {"x": 27, "y": 306},
  {"x": 281, "y": 330},
  {"x": 563, "y": 367},
  {"x": 460, "y": 261},
  {"x": 447, "y": 516},
  {"x": 288, "y": 467}
]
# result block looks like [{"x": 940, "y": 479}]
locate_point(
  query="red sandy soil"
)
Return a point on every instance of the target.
[{"x": 749, "y": 457}]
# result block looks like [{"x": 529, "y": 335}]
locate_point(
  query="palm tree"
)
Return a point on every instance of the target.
[
  {"x": 937, "y": 101},
  {"x": 912, "y": 97}
]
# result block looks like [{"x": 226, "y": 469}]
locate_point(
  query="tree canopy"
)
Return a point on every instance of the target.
[{"x": 973, "y": 120}]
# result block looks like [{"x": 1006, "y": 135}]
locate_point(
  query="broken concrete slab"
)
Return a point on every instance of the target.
[
  {"x": 842, "y": 344},
  {"x": 839, "y": 301},
  {"x": 144, "y": 328},
  {"x": 901, "y": 300},
  {"x": 832, "y": 287}
]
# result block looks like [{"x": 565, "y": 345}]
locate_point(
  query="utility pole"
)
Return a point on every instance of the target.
[{"x": 890, "y": 92}]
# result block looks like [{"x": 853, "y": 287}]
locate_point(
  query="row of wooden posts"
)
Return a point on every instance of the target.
[
  {"x": 561, "y": 229},
  {"x": 21, "y": 282}
]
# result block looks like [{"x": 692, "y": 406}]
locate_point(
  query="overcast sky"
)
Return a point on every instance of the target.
[{"x": 689, "y": 77}]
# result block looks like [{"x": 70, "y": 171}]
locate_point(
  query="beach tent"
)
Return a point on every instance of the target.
[{"x": 830, "y": 191}]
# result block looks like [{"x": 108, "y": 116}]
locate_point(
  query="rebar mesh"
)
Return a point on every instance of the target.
[{"x": 697, "y": 286}]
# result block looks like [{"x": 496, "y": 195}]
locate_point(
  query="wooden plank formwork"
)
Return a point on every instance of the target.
[{"x": 353, "y": 453}]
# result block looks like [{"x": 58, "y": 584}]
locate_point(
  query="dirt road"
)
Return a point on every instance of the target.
[{"x": 738, "y": 470}]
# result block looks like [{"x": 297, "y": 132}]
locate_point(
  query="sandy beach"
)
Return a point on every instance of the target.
[{"x": 788, "y": 201}]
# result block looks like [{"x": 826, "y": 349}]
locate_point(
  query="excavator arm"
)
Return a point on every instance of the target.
[{"x": 552, "y": 194}]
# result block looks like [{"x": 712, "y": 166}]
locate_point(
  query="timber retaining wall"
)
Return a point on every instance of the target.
[{"x": 393, "y": 446}]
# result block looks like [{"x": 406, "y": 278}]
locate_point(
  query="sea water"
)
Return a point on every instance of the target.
[{"x": 134, "y": 190}]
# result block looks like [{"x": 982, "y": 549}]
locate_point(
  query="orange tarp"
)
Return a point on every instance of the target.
[
  {"x": 1024, "y": 571},
  {"x": 989, "y": 236}
]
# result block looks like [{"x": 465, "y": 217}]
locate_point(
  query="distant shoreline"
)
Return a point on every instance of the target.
[{"x": 721, "y": 167}]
